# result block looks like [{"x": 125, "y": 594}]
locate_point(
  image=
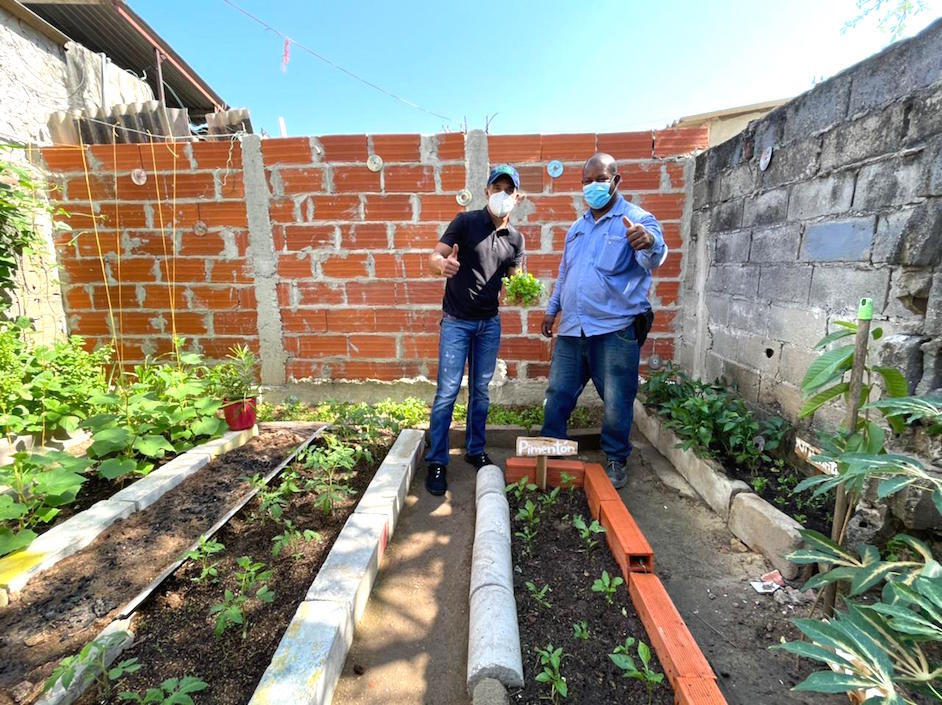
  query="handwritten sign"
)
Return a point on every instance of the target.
[
  {"x": 538, "y": 445},
  {"x": 806, "y": 451}
]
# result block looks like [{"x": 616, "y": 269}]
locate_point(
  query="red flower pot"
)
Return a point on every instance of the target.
[{"x": 240, "y": 415}]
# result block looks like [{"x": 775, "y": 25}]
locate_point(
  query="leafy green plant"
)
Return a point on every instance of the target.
[
  {"x": 580, "y": 630},
  {"x": 621, "y": 657},
  {"x": 331, "y": 466},
  {"x": 523, "y": 289},
  {"x": 527, "y": 534},
  {"x": 21, "y": 205},
  {"x": 519, "y": 488},
  {"x": 173, "y": 691},
  {"x": 161, "y": 408},
  {"x": 548, "y": 500},
  {"x": 567, "y": 481},
  {"x": 231, "y": 611},
  {"x": 234, "y": 379},
  {"x": 551, "y": 660},
  {"x": 607, "y": 585},
  {"x": 759, "y": 483},
  {"x": 529, "y": 513},
  {"x": 587, "y": 532},
  {"x": 45, "y": 390},
  {"x": 39, "y": 485},
  {"x": 291, "y": 535},
  {"x": 90, "y": 665},
  {"x": 201, "y": 554},
  {"x": 539, "y": 594},
  {"x": 892, "y": 645}
]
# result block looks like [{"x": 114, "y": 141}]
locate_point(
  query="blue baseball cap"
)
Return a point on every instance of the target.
[{"x": 504, "y": 170}]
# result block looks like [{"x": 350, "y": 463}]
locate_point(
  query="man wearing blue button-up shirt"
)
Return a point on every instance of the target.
[{"x": 603, "y": 283}]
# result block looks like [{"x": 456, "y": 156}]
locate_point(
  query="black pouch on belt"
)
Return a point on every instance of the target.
[{"x": 643, "y": 322}]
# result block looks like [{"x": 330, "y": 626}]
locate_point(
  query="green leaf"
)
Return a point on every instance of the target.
[
  {"x": 894, "y": 381},
  {"x": 821, "y": 398},
  {"x": 562, "y": 688},
  {"x": 109, "y": 440},
  {"x": 11, "y": 541},
  {"x": 152, "y": 446},
  {"x": 831, "y": 682},
  {"x": 826, "y": 366},
  {"x": 831, "y": 337},
  {"x": 813, "y": 651},
  {"x": 876, "y": 333},
  {"x": 892, "y": 485},
  {"x": 113, "y": 468},
  {"x": 11, "y": 509}
]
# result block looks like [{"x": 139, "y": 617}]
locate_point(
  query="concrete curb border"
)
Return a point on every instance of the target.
[
  {"x": 493, "y": 633},
  {"x": 750, "y": 518},
  {"x": 80, "y": 530},
  {"x": 312, "y": 651}
]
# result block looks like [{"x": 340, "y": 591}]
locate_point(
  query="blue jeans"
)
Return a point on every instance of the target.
[
  {"x": 611, "y": 362},
  {"x": 460, "y": 340}
]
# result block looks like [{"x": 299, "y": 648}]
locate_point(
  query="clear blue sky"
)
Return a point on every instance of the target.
[{"x": 549, "y": 66}]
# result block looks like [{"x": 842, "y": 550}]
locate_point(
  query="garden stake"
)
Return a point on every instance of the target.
[
  {"x": 842, "y": 507},
  {"x": 539, "y": 447}
]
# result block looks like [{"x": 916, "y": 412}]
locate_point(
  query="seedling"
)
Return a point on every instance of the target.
[
  {"x": 201, "y": 554},
  {"x": 539, "y": 596},
  {"x": 567, "y": 481},
  {"x": 580, "y": 630},
  {"x": 331, "y": 466},
  {"x": 529, "y": 513},
  {"x": 527, "y": 534},
  {"x": 548, "y": 500},
  {"x": 231, "y": 610},
  {"x": 519, "y": 488},
  {"x": 90, "y": 665},
  {"x": 607, "y": 586},
  {"x": 759, "y": 483},
  {"x": 173, "y": 691},
  {"x": 551, "y": 659},
  {"x": 621, "y": 657},
  {"x": 586, "y": 532},
  {"x": 292, "y": 535}
]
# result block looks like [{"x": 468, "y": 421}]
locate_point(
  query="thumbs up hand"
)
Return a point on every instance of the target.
[
  {"x": 450, "y": 263},
  {"x": 638, "y": 237}
]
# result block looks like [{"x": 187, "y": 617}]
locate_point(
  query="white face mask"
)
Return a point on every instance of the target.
[{"x": 501, "y": 203}]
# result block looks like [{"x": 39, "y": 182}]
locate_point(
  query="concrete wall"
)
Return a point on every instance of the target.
[
  {"x": 849, "y": 206},
  {"x": 38, "y": 76},
  {"x": 320, "y": 263}
]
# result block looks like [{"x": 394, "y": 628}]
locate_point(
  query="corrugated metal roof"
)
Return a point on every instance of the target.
[{"x": 111, "y": 27}]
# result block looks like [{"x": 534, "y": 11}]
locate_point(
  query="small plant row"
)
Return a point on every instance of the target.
[
  {"x": 550, "y": 658},
  {"x": 322, "y": 471},
  {"x": 163, "y": 408},
  {"x": 90, "y": 667}
]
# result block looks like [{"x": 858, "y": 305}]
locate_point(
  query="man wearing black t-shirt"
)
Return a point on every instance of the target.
[{"x": 476, "y": 251}]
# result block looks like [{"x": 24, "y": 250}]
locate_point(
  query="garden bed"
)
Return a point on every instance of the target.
[
  {"x": 557, "y": 557},
  {"x": 178, "y": 633},
  {"x": 65, "y": 607}
]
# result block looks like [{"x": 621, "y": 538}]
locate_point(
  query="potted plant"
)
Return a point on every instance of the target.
[
  {"x": 523, "y": 289},
  {"x": 233, "y": 382}
]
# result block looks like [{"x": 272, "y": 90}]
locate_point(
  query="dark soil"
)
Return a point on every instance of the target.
[
  {"x": 65, "y": 607},
  {"x": 174, "y": 629},
  {"x": 558, "y": 558},
  {"x": 812, "y": 513}
]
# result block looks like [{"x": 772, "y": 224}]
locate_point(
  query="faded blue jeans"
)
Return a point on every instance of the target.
[
  {"x": 475, "y": 342},
  {"x": 611, "y": 362}
]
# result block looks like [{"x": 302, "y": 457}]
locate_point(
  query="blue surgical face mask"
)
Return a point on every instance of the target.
[{"x": 597, "y": 193}]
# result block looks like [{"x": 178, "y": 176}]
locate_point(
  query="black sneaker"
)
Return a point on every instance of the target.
[
  {"x": 435, "y": 481},
  {"x": 478, "y": 460},
  {"x": 617, "y": 472}
]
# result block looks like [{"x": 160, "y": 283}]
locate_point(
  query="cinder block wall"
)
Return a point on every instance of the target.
[
  {"x": 849, "y": 206},
  {"x": 295, "y": 247}
]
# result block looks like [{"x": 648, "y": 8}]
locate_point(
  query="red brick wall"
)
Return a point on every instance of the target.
[{"x": 351, "y": 245}]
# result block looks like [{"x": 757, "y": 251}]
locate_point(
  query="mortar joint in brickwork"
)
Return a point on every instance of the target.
[
  {"x": 317, "y": 149},
  {"x": 190, "y": 157},
  {"x": 428, "y": 151}
]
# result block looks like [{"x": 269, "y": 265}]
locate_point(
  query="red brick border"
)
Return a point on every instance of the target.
[{"x": 686, "y": 667}]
